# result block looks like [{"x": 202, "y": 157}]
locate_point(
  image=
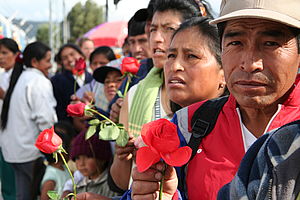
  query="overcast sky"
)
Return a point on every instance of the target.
[{"x": 38, "y": 10}]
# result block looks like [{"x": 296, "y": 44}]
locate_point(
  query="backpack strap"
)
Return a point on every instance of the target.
[{"x": 203, "y": 121}]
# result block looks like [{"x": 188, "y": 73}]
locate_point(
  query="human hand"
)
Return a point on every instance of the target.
[
  {"x": 74, "y": 99},
  {"x": 90, "y": 196},
  {"x": 115, "y": 110},
  {"x": 88, "y": 98},
  {"x": 145, "y": 186},
  {"x": 125, "y": 153}
]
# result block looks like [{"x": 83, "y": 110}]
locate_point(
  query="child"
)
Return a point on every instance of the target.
[
  {"x": 56, "y": 173},
  {"x": 92, "y": 158}
]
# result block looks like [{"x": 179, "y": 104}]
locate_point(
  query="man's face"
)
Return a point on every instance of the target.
[
  {"x": 260, "y": 60},
  {"x": 139, "y": 46}
]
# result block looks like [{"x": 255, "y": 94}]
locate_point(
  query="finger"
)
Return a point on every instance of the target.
[
  {"x": 125, "y": 156},
  {"x": 148, "y": 175},
  {"x": 144, "y": 197},
  {"x": 144, "y": 187}
]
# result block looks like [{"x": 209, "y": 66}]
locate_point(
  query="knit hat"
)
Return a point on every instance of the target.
[{"x": 93, "y": 147}]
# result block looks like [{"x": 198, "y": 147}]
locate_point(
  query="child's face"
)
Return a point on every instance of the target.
[
  {"x": 87, "y": 166},
  {"x": 112, "y": 82}
]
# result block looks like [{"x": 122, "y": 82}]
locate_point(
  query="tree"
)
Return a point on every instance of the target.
[
  {"x": 84, "y": 17},
  {"x": 42, "y": 34}
]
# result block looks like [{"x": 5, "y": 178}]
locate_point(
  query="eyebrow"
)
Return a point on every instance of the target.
[
  {"x": 273, "y": 33},
  {"x": 172, "y": 49},
  {"x": 233, "y": 34}
]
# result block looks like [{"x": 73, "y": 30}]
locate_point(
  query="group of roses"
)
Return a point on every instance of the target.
[{"x": 155, "y": 145}]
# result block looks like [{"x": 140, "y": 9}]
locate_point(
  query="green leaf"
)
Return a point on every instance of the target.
[
  {"x": 53, "y": 195},
  {"x": 94, "y": 122},
  {"x": 109, "y": 132},
  {"x": 119, "y": 93},
  {"x": 122, "y": 140},
  {"x": 90, "y": 132}
]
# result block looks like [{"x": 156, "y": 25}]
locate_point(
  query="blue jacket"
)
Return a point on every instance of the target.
[{"x": 63, "y": 88}]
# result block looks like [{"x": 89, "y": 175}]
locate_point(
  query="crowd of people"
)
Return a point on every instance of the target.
[{"x": 230, "y": 85}]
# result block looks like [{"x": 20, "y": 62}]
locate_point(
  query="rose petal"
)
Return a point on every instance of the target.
[
  {"x": 178, "y": 157},
  {"x": 145, "y": 158}
]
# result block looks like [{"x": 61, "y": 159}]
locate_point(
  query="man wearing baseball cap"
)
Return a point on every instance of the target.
[{"x": 260, "y": 56}]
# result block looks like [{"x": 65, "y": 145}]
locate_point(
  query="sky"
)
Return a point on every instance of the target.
[{"x": 38, "y": 10}]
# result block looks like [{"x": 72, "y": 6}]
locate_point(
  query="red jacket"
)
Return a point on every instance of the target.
[{"x": 222, "y": 150}]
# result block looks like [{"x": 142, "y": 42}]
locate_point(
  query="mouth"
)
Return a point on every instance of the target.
[
  {"x": 250, "y": 84},
  {"x": 176, "y": 82},
  {"x": 158, "y": 52}
]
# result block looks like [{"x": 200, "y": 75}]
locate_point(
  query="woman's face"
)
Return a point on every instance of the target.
[
  {"x": 69, "y": 56},
  {"x": 7, "y": 58},
  {"x": 192, "y": 73},
  {"x": 162, "y": 27},
  {"x": 112, "y": 83},
  {"x": 44, "y": 64},
  {"x": 99, "y": 60}
]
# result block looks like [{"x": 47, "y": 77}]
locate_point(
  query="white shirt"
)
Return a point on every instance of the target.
[
  {"x": 31, "y": 110},
  {"x": 248, "y": 137}
]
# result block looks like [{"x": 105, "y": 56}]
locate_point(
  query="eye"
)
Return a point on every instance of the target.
[
  {"x": 171, "y": 55},
  {"x": 234, "y": 43},
  {"x": 152, "y": 30},
  {"x": 192, "y": 56},
  {"x": 271, "y": 43},
  {"x": 171, "y": 28}
]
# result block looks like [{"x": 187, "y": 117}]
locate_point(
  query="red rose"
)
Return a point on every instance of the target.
[
  {"x": 79, "y": 68},
  {"x": 162, "y": 141},
  {"x": 48, "y": 141},
  {"x": 130, "y": 65},
  {"x": 76, "y": 110}
]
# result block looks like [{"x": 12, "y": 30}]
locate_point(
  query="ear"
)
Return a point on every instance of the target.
[
  {"x": 34, "y": 62},
  {"x": 222, "y": 77}
]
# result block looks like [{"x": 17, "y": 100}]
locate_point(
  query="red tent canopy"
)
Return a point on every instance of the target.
[{"x": 109, "y": 34}]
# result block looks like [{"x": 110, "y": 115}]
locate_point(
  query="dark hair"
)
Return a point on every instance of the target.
[
  {"x": 210, "y": 34},
  {"x": 68, "y": 45},
  {"x": 10, "y": 44},
  {"x": 33, "y": 50},
  {"x": 208, "y": 31},
  {"x": 66, "y": 132},
  {"x": 136, "y": 27},
  {"x": 104, "y": 50},
  {"x": 82, "y": 40},
  {"x": 187, "y": 8}
]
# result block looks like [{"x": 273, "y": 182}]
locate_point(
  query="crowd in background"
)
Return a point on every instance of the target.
[{"x": 183, "y": 59}]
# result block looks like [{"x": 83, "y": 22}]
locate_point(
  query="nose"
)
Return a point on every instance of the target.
[
  {"x": 176, "y": 65},
  {"x": 136, "y": 47},
  {"x": 157, "y": 36},
  {"x": 252, "y": 62}
]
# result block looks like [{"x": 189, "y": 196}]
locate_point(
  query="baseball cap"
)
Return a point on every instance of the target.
[
  {"x": 285, "y": 12},
  {"x": 101, "y": 72}
]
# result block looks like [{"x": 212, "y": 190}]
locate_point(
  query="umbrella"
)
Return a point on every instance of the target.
[{"x": 109, "y": 34}]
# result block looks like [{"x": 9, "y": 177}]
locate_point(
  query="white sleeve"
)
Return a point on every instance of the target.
[{"x": 40, "y": 98}]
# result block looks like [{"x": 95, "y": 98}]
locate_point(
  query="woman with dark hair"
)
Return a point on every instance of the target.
[
  {"x": 148, "y": 100},
  {"x": 9, "y": 51},
  {"x": 63, "y": 83},
  {"x": 28, "y": 108}
]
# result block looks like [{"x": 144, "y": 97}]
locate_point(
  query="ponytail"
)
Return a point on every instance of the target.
[{"x": 17, "y": 71}]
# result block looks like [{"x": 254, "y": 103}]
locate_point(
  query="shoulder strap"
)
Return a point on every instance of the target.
[{"x": 204, "y": 120}]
